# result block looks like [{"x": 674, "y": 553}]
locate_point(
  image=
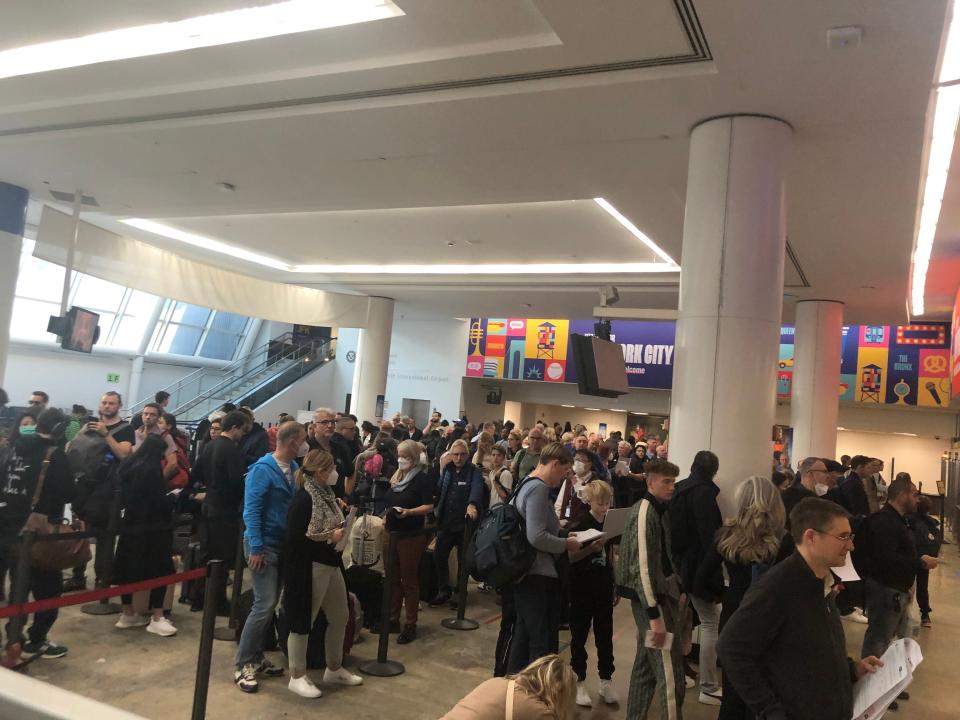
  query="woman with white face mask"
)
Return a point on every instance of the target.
[
  {"x": 409, "y": 500},
  {"x": 569, "y": 506},
  {"x": 313, "y": 579}
]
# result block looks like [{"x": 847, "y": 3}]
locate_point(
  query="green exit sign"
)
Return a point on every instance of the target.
[{"x": 113, "y": 377}]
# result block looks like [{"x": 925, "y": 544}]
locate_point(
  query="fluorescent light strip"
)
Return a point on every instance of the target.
[
  {"x": 205, "y": 243},
  {"x": 634, "y": 230},
  {"x": 254, "y": 23},
  {"x": 218, "y": 246},
  {"x": 562, "y": 405},
  {"x": 490, "y": 269},
  {"x": 946, "y": 111}
]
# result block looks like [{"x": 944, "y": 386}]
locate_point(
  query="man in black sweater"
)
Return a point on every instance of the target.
[
  {"x": 784, "y": 648},
  {"x": 893, "y": 563},
  {"x": 813, "y": 473}
]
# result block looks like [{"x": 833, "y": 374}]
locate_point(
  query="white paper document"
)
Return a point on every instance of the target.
[
  {"x": 347, "y": 527},
  {"x": 648, "y": 641},
  {"x": 847, "y": 573},
  {"x": 585, "y": 537},
  {"x": 615, "y": 521},
  {"x": 873, "y": 693}
]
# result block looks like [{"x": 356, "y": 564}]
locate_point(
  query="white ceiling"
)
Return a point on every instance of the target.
[{"x": 381, "y": 142}]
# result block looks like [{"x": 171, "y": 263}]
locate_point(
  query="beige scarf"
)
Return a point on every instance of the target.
[{"x": 326, "y": 515}]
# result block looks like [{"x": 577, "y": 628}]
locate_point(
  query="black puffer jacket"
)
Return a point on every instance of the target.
[{"x": 694, "y": 521}]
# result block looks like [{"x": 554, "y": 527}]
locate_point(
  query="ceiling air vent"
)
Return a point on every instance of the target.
[{"x": 67, "y": 197}]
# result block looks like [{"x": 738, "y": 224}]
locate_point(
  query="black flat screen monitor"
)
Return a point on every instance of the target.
[{"x": 600, "y": 367}]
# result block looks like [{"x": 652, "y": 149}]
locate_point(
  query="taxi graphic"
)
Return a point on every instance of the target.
[{"x": 786, "y": 363}]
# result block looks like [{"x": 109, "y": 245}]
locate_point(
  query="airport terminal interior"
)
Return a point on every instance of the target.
[{"x": 300, "y": 300}]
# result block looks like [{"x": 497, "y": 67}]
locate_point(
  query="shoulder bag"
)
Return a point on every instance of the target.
[{"x": 54, "y": 555}]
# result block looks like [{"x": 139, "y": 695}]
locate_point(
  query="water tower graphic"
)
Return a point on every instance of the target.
[
  {"x": 546, "y": 340},
  {"x": 871, "y": 378}
]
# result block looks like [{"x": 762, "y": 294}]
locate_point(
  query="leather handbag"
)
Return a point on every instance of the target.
[{"x": 54, "y": 555}]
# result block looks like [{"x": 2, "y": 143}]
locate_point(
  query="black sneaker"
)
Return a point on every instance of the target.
[
  {"x": 46, "y": 650},
  {"x": 246, "y": 678},
  {"x": 407, "y": 635},
  {"x": 441, "y": 599},
  {"x": 75, "y": 583},
  {"x": 268, "y": 669}
]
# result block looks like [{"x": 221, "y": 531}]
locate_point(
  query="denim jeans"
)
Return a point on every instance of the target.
[
  {"x": 887, "y": 614},
  {"x": 266, "y": 590}
]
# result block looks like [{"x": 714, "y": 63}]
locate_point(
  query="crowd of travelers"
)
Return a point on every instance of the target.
[{"x": 759, "y": 586}]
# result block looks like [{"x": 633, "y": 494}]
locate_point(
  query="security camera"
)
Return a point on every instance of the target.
[{"x": 609, "y": 296}]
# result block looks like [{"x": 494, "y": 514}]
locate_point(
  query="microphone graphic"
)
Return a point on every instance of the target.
[{"x": 932, "y": 389}]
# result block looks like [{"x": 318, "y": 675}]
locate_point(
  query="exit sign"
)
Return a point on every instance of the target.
[{"x": 113, "y": 377}]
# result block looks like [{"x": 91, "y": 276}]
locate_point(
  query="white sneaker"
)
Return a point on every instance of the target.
[
  {"x": 711, "y": 698},
  {"x": 162, "y": 627},
  {"x": 689, "y": 682},
  {"x": 608, "y": 693},
  {"x": 341, "y": 677},
  {"x": 583, "y": 696},
  {"x": 131, "y": 621},
  {"x": 303, "y": 687},
  {"x": 856, "y": 616}
]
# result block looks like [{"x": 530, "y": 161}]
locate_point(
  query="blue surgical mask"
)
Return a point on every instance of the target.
[{"x": 28, "y": 430}]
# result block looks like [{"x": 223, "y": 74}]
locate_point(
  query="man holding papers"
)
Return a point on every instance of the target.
[
  {"x": 647, "y": 577},
  {"x": 784, "y": 648}
]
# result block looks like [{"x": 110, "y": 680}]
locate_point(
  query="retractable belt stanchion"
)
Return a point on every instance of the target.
[
  {"x": 229, "y": 633},
  {"x": 20, "y": 586},
  {"x": 382, "y": 667},
  {"x": 215, "y": 580},
  {"x": 106, "y": 543},
  {"x": 461, "y": 622}
]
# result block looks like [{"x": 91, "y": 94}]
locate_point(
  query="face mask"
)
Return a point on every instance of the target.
[
  {"x": 28, "y": 430},
  {"x": 404, "y": 463},
  {"x": 423, "y": 458},
  {"x": 333, "y": 477},
  {"x": 821, "y": 489},
  {"x": 580, "y": 468},
  {"x": 304, "y": 449}
]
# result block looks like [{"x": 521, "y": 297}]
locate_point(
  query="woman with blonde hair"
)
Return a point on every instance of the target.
[
  {"x": 313, "y": 573},
  {"x": 544, "y": 690},
  {"x": 747, "y": 545},
  {"x": 409, "y": 500},
  {"x": 482, "y": 457}
]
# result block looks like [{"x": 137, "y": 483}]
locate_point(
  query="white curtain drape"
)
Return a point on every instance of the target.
[{"x": 142, "y": 266}]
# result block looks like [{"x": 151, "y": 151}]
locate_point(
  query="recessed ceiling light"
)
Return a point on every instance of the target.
[
  {"x": 253, "y": 23},
  {"x": 634, "y": 230},
  {"x": 562, "y": 405},
  {"x": 617, "y": 410},
  {"x": 594, "y": 409}
]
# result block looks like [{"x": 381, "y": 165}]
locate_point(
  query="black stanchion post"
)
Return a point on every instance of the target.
[
  {"x": 106, "y": 544},
  {"x": 215, "y": 579},
  {"x": 382, "y": 667},
  {"x": 20, "y": 586},
  {"x": 461, "y": 621},
  {"x": 229, "y": 633}
]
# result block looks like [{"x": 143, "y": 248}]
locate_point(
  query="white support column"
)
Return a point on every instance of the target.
[
  {"x": 815, "y": 397},
  {"x": 373, "y": 357},
  {"x": 13, "y": 218},
  {"x": 731, "y": 296}
]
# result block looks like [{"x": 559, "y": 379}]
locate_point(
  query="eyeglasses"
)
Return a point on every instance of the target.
[
  {"x": 325, "y": 422},
  {"x": 844, "y": 538},
  {"x": 35, "y": 402}
]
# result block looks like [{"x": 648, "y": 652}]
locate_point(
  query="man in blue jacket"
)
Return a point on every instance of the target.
[
  {"x": 269, "y": 489},
  {"x": 461, "y": 497}
]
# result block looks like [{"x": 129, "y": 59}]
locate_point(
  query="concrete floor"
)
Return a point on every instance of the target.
[{"x": 154, "y": 676}]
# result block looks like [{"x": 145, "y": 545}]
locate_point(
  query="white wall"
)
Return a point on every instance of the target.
[
  {"x": 919, "y": 456},
  {"x": 70, "y": 377},
  {"x": 427, "y": 360}
]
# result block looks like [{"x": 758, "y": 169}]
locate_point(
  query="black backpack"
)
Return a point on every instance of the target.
[{"x": 501, "y": 552}]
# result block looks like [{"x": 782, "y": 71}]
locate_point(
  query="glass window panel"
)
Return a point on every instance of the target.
[
  {"x": 29, "y": 321},
  {"x": 190, "y": 314},
  {"x": 129, "y": 332},
  {"x": 39, "y": 279},
  {"x": 96, "y": 294},
  {"x": 228, "y": 322},
  {"x": 180, "y": 339},
  {"x": 141, "y": 303},
  {"x": 220, "y": 345}
]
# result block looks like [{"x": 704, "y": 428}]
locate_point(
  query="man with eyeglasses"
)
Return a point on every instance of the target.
[
  {"x": 528, "y": 458},
  {"x": 784, "y": 649},
  {"x": 321, "y": 436},
  {"x": 813, "y": 483},
  {"x": 892, "y": 564}
]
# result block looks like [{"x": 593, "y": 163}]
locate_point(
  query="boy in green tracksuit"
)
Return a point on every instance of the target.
[{"x": 647, "y": 577}]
